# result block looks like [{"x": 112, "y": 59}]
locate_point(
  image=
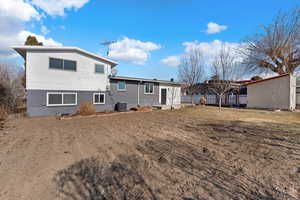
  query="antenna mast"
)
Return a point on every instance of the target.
[{"x": 107, "y": 44}]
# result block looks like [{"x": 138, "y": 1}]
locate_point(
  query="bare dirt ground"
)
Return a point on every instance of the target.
[{"x": 188, "y": 154}]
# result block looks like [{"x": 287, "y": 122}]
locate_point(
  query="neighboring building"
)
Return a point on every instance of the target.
[
  {"x": 277, "y": 92},
  {"x": 58, "y": 79}
]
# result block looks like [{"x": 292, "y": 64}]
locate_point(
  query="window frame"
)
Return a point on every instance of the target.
[
  {"x": 98, "y": 93},
  {"x": 63, "y": 65},
  {"x": 149, "y": 88},
  {"x": 99, "y": 72},
  {"x": 62, "y": 98},
  {"x": 125, "y": 89}
]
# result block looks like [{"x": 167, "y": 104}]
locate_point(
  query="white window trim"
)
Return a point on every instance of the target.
[
  {"x": 62, "y": 96},
  {"x": 145, "y": 88},
  {"x": 125, "y": 89},
  {"x": 98, "y": 94}
]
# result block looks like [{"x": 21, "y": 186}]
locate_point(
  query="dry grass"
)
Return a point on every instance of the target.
[{"x": 86, "y": 108}]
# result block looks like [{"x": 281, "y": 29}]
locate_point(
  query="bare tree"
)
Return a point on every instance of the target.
[
  {"x": 11, "y": 85},
  {"x": 173, "y": 93},
  {"x": 277, "y": 47},
  {"x": 191, "y": 70},
  {"x": 225, "y": 69}
]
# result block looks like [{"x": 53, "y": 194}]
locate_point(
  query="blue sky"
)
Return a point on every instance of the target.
[{"x": 147, "y": 32}]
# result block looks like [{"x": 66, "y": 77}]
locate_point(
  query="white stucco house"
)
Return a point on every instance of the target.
[
  {"x": 58, "y": 79},
  {"x": 277, "y": 92}
]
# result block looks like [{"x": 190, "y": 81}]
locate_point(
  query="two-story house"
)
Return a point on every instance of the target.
[{"x": 58, "y": 79}]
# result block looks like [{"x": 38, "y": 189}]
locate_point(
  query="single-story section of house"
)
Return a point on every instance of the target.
[{"x": 277, "y": 92}]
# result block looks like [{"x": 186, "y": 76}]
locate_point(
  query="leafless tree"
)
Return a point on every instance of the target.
[
  {"x": 173, "y": 93},
  {"x": 11, "y": 85},
  {"x": 277, "y": 47},
  {"x": 191, "y": 70},
  {"x": 225, "y": 69}
]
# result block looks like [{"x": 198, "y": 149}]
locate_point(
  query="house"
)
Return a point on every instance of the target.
[
  {"x": 277, "y": 92},
  {"x": 58, "y": 79}
]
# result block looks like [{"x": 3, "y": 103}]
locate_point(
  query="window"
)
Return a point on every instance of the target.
[
  {"x": 99, "y": 69},
  {"x": 61, "y": 99},
  {"x": 70, "y": 65},
  {"x": 149, "y": 88},
  {"x": 55, "y": 63},
  {"x": 121, "y": 85},
  {"x": 99, "y": 98}
]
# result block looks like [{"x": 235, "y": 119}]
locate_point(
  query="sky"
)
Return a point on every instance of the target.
[{"x": 150, "y": 35}]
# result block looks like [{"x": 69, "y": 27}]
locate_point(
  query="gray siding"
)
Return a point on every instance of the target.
[
  {"x": 130, "y": 96},
  {"x": 37, "y": 105}
]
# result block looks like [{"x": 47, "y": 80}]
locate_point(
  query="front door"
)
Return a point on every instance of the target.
[{"x": 163, "y": 96}]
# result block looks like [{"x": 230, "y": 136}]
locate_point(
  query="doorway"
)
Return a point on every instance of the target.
[{"x": 163, "y": 96}]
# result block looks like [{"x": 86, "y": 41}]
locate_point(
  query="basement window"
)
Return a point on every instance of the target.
[
  {"x": 99, "y": 98},
  {"x": 61, "y": 99}
]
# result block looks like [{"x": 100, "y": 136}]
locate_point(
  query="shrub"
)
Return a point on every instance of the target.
[
  {"x": 86, "y": 108},
  {"x": 202, "y": 101},
  {"x": 4, "y": 111}
]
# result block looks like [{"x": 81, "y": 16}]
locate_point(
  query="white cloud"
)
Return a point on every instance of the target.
[
  {"x": 44, "y": 30},
  {"x": 172, "y": 61},
  {"x": 57, "y": 7},
  {"x": 210, "y": 49},
  {"x": 16, "y": 14},
  {"x": 213, "y": 28},
  {"x": 131, "y": 50},
  {"x": 18, "y": 9},
  {"x": 18, "y": 39}
]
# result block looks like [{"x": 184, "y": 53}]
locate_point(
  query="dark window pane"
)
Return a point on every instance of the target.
[
  {"x": 146, "y": 88},
  {"x": 101, "y": 98},
  {"x": 69, "y": 98},
  {"x": 70, "y": 65},
  {"x": 96, "y": 98},
  {"x": 54, "y": 99},
  {"x": 151, "y": 88},
  {"x": 55, "y": 63},
  {"x": 99, "y": 69}
]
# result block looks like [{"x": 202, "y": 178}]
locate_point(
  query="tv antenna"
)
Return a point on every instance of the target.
[{"x": 107, "y": 44}]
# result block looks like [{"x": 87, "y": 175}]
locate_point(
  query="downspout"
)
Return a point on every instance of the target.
[{"x": 138, "y": 95}]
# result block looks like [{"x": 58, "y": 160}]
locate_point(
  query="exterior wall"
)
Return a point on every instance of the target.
[
  {"x": 276, "y": 93},
  {"x": 37, "y": 105},
  {"x": 40, "y": 77},
  {"x": 173, "y": 94},
  {"x": 130, "y": 95}
]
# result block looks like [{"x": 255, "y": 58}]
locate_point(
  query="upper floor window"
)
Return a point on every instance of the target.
[
  {"x": 149, "y": 88},
  {"x": 121, "y": 85},
  {"x": 99, "y": 68},
  {"x": 55, "y": 63}
]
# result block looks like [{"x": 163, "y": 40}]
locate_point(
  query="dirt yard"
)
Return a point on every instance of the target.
[{"x": 188, "y": 154}]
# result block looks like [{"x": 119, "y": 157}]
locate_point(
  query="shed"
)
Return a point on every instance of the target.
[{"x": 278, "y": 92}]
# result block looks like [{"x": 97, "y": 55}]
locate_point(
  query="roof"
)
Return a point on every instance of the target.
[
  {"x": 267, "y": 79},
  {"x": 23, "y": 49},
  {"x": 144, "y": 80}
]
